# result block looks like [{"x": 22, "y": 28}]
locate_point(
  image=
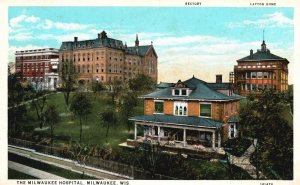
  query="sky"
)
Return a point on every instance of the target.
[{"x": 200, "y": 41}]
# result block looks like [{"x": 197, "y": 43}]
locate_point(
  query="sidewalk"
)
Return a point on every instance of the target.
[
  {"x": 66, "y": 164},
  {"x": 29, "y": 101},
  {"x": 244, "y": 162},
  {"x": 32, "y": 171}
]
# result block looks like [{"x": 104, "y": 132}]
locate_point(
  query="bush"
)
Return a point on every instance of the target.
[{"x": 237, "y": 146}]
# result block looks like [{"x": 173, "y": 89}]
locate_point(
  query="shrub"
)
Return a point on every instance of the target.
[{"x": 237, "y": 146}]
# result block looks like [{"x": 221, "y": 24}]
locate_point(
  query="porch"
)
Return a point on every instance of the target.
[{"x": 192, "y": 136}]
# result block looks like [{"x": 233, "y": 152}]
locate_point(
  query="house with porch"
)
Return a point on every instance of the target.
[{"x": 192, "y": 115}]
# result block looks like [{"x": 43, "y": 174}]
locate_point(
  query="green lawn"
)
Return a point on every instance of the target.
[{"x": 93, "y": 132}]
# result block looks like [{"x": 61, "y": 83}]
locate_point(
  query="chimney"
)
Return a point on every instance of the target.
[
  {"x": 98, "y": 35},
  {"x": 218, "y": 79},
  {"x": 251, "y": 53},
  {"x": 75, "y": 39}
]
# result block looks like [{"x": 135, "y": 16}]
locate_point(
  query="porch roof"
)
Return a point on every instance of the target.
[{"x": 178, "y": 120}]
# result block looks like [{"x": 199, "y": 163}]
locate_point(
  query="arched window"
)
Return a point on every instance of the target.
[
  {"x": 97, "y": 68},
  {"x": 83, "y": 69},
  {"x": 83, "y": 57},
  {"x": 180, "y": 108},
  {"x": 176, "y": 110}
]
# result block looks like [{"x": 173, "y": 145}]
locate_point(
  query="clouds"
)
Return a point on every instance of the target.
[
  {"x": 18, "y": 21},
  {"x": 205, "y": 59},
  {"x": 48, "y": 24},
  {"x": 186, "y": 51},
  {"x": 25, "y": 27},
  {"x": 21, "y": 36},
  {"x": 276, "y": 19},
  {"x": 33, "y": 22}
]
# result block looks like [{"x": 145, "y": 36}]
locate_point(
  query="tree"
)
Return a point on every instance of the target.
[
  {"x": 81, "y": 153},
  {"x": 97, "y": 87},
  {"x": 16, "y": 91},
  {"x": 147, "y": 156},
  {"x": 16, "y": 119},
  {"x": 116, "y": 89},
  {"x": 16, "y": 112},
  {"x": 108, "y": 118},
  {"x": 262, "y": 119},
  {"x": 80, "y": 106},
  {"x": 68, "y": 79},
  {"x": 126, "y": 105},
  {"x": 39, "y": 104},
  {"x": 51, "y": 117},
  {"x": 141, "y": 83}
]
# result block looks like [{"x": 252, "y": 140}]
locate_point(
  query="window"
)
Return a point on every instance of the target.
[
  {"x": 253, "y": 87},
  {"x": 180, "y": 108},
  {"x": 205, "y": 109},
  {"x": 248, "y": 75},
  {"x": 259, "y": 74},
  {"x": 180, "y": 92},
  {"x": 266, "y": 74},
  {"x": 232, "y": 130},
  {"x": 253, "y": 74},
  {"x": 159, "y": 107},
  {"x": 259, "y": 87}
]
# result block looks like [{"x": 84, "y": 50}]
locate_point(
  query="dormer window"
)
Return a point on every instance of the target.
[
  {"x": 181, "y": 89},
  {"x": 180, "y": 92}
]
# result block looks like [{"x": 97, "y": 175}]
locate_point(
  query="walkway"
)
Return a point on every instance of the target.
[
  {"x": 29, "y": 101},
  {"x": 32, "y": 171},
  {"x": 244, "y": 162},
  {"x": 66, "y": 164}
]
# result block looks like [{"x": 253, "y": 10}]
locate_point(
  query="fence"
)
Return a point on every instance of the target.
[{"x": 95, "y": 162}]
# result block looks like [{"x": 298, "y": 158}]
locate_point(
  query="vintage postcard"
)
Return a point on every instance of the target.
[{"x": 122, "y": 91}]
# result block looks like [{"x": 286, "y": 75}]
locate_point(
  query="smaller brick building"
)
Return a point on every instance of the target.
[
  {"x": 39, "y": 67},
  {"x": 189, "y": 114},
  {"x": 261, "y": 70}
]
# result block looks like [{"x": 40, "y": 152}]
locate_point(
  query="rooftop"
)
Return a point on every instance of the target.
[
  {"x": 180, "y": 120},
  {"x": 261, "y": 55},
  {"x": 200, "y": 91},
  {"x": 103, "y": 41},
  {"x": 139, "y": 50}
]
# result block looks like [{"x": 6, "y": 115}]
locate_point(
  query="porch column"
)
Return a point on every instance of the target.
[
  {"x": 158, "y": 132},
  {"x": 134, "y": 131},
  {"x": 219, "y": 139},
  {"x": 213, "y": 140},
  {"x": 184, "y": 137}
]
